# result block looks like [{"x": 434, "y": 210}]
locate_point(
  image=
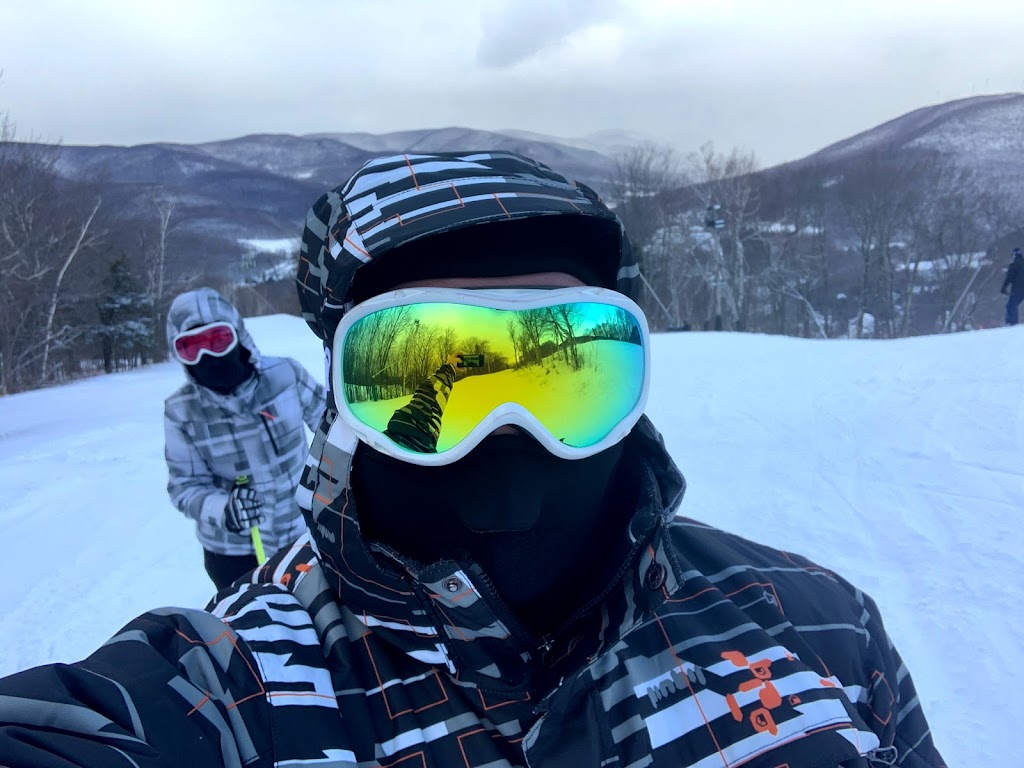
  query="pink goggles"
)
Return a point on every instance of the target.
[{"x": 214, "y": 339}]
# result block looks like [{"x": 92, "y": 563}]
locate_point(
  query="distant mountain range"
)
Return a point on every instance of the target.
[
  {"x": 983, "y": 133},
  {"x": 260, "y": 186}
]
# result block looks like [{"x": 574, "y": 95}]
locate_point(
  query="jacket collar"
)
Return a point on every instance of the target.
[
  {"x": 447, "y": 614},
  {"x": 236, "y": 402}
]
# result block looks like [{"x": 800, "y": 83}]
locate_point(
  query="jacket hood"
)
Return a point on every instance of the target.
[
  {"x": 201, "y": 307},
  {"x": 393, "y": 201}
]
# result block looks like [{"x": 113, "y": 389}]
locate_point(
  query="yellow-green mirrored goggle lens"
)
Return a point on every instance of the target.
[{"x": 426, "y": 374}]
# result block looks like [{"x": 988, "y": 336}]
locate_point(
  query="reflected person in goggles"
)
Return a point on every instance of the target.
[
  {"x": 494, "y": 572},
  {"x": 417, "y": 425}
]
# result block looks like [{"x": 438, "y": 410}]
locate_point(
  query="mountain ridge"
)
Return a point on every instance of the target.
[{"x": 260, "y": 185}]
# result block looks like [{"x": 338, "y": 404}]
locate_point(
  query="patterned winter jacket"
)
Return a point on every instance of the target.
[
  {"x": 257, "y": 431},
  {"x": 708, "y": 650}
]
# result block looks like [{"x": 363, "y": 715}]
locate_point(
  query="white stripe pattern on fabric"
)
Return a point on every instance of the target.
[
  {"x": 397, "y": 681},
  {"x": 333, "y": 758},
  {"x": 373, "y": 621},
  {"x": 434, "y": 657},
  {"x": 297, "y": 619},
  {"x": 689, "y": 714},
  {"x": 417, "y": 736},
  {"x": 663, "y": 729},
  {"x": 276, "y": 668}
]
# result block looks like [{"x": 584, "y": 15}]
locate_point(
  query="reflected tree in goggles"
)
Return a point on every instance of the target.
[{"x": 425, "y": 374}]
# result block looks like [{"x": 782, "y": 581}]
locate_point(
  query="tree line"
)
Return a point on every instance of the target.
[
  {"x": 891, "y": 244},
  {"x": 88, "y": 271}
]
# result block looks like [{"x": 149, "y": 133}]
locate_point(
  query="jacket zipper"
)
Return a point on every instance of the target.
[
  {"x": 508, "y": 617},
  {"x": 531, "y": 733},
  {"x": 263, "y": 418}
]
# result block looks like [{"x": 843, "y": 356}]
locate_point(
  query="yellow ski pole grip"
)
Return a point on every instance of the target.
[{"x": 254, "y": 532}]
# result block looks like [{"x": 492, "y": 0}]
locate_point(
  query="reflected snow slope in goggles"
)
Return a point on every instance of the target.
[
  {"x": 216, "y": 339},
  {"x": 425, "y": 374}
]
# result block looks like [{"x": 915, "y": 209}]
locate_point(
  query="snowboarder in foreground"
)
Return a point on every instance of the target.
[
  {"x": 521, "y": 594},
  {"x": 234, "y": 437}
]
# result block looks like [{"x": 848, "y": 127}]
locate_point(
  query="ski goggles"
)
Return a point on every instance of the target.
[
  {"x": 215, "y": 339},
  {"x": 425, "y": 374}
]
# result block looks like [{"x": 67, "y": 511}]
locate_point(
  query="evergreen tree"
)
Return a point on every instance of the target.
[{"x": 126, "y": 319}]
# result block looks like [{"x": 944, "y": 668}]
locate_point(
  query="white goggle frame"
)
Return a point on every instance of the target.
[{"x": 507, "y": 413}]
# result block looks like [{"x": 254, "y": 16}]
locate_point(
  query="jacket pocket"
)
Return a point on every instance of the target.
[{"x": 283, "y": 427}]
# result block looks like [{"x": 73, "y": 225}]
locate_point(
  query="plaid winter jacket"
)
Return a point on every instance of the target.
[
  {"x": 708, "y": 651},
  {"x": 256, "y": 432}
]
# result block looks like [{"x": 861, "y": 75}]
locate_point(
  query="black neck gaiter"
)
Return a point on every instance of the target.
[
  {"x": 223, "y": 374},
  {"x": 546, "y": 531}
]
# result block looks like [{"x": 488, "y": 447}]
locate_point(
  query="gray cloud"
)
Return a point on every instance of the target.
[
  {"x": 513, "y": 31},
  {"x": 783, "y": 84}
]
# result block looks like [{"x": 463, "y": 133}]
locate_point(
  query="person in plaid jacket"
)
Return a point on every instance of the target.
[{"x": 235, "y": 438}]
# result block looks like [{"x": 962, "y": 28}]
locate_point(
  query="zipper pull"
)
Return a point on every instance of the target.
[
  {"x": 545, "y": 648},
  {"x": 883, "y": 756}
]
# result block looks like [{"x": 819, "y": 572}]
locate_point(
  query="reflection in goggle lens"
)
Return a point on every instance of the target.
[{"x": 426, "y": 374}]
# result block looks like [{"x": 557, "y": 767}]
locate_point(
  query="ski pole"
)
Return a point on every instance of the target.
[{"x": 254, "y": 531}]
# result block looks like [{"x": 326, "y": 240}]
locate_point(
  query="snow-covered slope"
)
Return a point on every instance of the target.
[
  {"x": 984, "y": 134},
  {"x": 896, "y": 464},
  {"x": 980, "y": 124}
]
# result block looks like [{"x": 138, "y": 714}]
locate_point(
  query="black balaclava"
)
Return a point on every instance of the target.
[
  {"x": 223, "y": 374},
  {"x": 545, "y": 530}
]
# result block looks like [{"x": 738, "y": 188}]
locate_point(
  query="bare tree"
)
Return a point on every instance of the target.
[
  {"x": 723, "y": 182},
  {"x": 516, "y": 338},
  {"x": 562, "y": 321},
  {"x": 368, "y": 358},
  {"x": 642, "y": 187},
  {"x": 43, "y": 230},
  {"x": 447, "y": 341},
  {"x": 878, "y": 196},
  {"x": 82, "y": 238},
  {"x": 158, "y": 273},
  {"x": 952, "y": 232},
  {"x": 798, "y": 272},
  {"x": 531, "y": 323}
]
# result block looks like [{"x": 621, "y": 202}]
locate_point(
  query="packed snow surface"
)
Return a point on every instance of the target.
[{"x": 897, "y": 464}]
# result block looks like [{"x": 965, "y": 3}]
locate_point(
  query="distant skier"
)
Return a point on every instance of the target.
[
  {"x": 1015, "y": 283},
  {"x": 234, "y": 438}
]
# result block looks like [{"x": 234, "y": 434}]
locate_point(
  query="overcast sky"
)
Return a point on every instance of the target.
[{"x": 780, "y": 77}]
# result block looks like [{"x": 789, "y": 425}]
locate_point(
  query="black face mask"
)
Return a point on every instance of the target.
[
  {"x": 545, "y": 530},
  {"x": 223, "y": 374}
]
